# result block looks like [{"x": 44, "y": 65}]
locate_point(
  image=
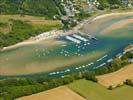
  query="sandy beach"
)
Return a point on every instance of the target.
[
  {"x": 118, "y": 25},
  {"x": 38, "y": 38},
  {"x": 112, "y": 14}
]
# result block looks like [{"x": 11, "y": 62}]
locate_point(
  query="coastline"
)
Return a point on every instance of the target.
[
  {"x": 57, "y": 33},
  {"x": 129, "y": 48},
  {"x": 112, "y": 14},
  {"x": 32, "y": 40}
]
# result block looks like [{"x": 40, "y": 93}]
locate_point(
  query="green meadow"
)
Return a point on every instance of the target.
[{"x": 95, "y": 91}]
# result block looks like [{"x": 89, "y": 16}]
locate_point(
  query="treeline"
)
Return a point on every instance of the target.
[
  {"x": 30, "y": 7},
  {"x": 14, "y": 88},
  {"x": 17, "y": 87}
]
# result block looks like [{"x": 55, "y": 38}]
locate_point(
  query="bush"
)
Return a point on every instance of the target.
[
  {"x": 114, "y": 6},
  {"x": 90, "y": 76},
  {"x": 110, "y": 87},
  {"x": 129, "y": 82}
]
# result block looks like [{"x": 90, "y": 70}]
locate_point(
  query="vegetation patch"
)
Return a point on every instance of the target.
[
  {"x": 94, "y": 91},
  {"x": 31, "y": 7},
  {"x": 15, "y": 28}
]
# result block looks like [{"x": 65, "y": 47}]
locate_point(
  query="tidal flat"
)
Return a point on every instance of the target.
[{"x": 66, "y": 56}]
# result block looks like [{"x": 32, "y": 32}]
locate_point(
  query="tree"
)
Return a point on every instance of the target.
[{"x": 129, "y": 82}]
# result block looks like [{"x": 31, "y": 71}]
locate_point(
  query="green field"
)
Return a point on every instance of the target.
[{"x": 94, "y": 91}]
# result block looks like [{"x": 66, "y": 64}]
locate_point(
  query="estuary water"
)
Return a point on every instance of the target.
[{"x": 98, "y": 43}]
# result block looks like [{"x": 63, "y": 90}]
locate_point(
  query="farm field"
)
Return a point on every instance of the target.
[
  {"x": 28, "y": 18},
  {"x": 60, "y": 93},
  {"x": 117, "y": 77},
  {"x": 36, "y": 21},
  {"x": 94, "y": 91}
]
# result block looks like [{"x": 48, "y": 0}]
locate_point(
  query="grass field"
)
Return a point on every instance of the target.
[
  {"x": 60, "y": 93},
  {"x": 6, "y": 23},
  {"x": 94, "y": 91},
  {"x": 28, "y": 18},
  {"x": 117, "y": 77}
]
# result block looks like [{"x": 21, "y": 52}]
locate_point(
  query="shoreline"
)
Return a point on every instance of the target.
[
  {"x": 129, "y": 48},
  {"x": 33, "y": 40},
  {"x": 112, "y": 14},
  {"x": 57, "y": 33}
]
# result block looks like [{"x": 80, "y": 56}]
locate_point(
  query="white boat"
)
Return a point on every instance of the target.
[
  {"x": 88, "y": 43},
  {"x": 57, "y": 72},
  {"x": 76, "y": 68},
  {"x": 91, "y": 63},
  {"x": 79, "y": 37},
  {"x": 83, "y": 66},
  {"x": 100, "y": 65},
  {"x": 73, "y": 39},
  {"x": 101, "y": 58},
  {"x": 110, "y": 60}
]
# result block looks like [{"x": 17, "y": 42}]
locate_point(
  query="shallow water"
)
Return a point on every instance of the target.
[{"x": 69, "y": 57}]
